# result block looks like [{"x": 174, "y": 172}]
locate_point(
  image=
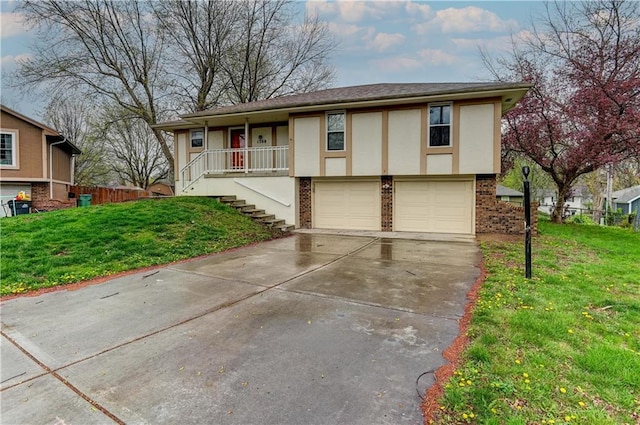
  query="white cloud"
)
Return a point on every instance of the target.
[
  {"x": 12, "y": 24},
  {"x": 397, "y": 64},
  {"x": 464, "y": 20},
  {"x": 354, "y": 10},
  {"x": 10, "y": 60},
  {"x": 383, "y": 41},
  {"x": 419, "y": 10},
  {"x": 471, "y": 19},
  {"x": 436, "y": 57}
]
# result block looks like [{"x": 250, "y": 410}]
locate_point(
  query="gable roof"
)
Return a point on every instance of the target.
[
  {"x": 507, "y": 191},
  {"x": 370, "y": 95},
  {"x": 626, "y": 196},
  {"x": 31, "y": 121},
  {"x": 51, "y": 135}
]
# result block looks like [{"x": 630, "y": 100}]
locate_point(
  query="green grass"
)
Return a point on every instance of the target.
[
  {"x": 65, "y": 246},
  {"x": 561, "y": 348}
]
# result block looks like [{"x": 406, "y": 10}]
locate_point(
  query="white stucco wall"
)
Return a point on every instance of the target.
[
  {"x": 476, "y": 139},
  {"x": 335, "y": 166},
  {"x": 282, "y": 135},
  {"x": 366, "y": 144},
  {"x": 440, "y": 164},
  {"x": 306, "y": 146},
  {"x": 275, "y": 195},
  {"x": 404, "y": 142},
  {"x": 182, "y": 153},
  {"x": 265, "y": 132},
  {"x": 216, "y": 139}
]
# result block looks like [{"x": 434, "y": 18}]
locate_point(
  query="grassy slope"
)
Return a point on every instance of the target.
[
  {"x": 43, "y": 250},
  {"x": 561, "y": 348}
]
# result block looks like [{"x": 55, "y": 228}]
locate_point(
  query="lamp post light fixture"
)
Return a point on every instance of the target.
[{"x": 527, "y": 222}]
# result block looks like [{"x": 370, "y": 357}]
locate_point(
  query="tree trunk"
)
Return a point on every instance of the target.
[{"x": 558, "y": 211}]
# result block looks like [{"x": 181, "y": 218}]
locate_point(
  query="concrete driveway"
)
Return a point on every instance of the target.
[{"x": 311, "y": 329}]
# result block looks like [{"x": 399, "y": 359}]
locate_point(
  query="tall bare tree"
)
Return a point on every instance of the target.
[
  {"x": 242, "y": 51},
  {"x": 275, "y": 56},
  {"x": 104, "y": 49},
  {"x": 134, "y": 155},
  {"x": 79, "y": 122},
  {"x": 200, "y": 34}
]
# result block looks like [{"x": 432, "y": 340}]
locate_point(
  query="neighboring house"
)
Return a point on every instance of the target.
[
  {"x": 162, "y": 189},
  {"x": 385, "y": 157},
  {"x": 627, "y": 200},
  {"x": 36, "y": 159},
  {"x": 506, "y": 194},
  {"x": 578, "y": 203}
]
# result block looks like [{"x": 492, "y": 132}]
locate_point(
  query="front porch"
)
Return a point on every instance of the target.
[{"x": 255, "y": 161}]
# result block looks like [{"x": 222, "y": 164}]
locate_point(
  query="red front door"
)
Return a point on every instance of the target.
[{"x": 237, "y": 142}]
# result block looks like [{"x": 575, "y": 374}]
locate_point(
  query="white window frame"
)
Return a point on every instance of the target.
[
  {"x": 191, "y": 138},
  {"x": 344, "y": 131},
  {"x": 450, "y": 124},
  {"x": 14, "y": 149}
]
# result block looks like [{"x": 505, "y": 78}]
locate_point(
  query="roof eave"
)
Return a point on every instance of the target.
[{"x": 508, "y": 102}]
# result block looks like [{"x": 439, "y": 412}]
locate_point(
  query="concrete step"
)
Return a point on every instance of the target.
[
  {"x": 274, "y": 222},
  {"x": 238, "y": 203},
  {"x": 252, "y": 211},
  {"x": 263, "y": 217},
  {"x": 247, "y": 207},
  {"x": 286, "y": 227},
  {"x": 227, "y": 199}
]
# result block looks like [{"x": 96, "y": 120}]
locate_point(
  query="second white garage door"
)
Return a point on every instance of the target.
[
  {"x": 346, "y": 205},
  {"x": 433, "y": 206}
]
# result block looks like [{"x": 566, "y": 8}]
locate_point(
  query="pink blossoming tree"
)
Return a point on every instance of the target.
[{"x": 583, "y": 111}]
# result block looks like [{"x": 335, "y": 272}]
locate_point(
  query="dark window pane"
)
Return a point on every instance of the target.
[
  {"x": 445, "y": 114},
  {"x": 439, "y": 114},
  {"x": 439, "y": 136},
  {"x": 335, "y": 122},
  {"x": 335, "y": 141},
  {"x": 434, "y": 115}
]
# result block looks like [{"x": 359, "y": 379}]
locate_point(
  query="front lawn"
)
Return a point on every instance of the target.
[
  {"x": 561, "y": 348},
  {"x": 61, "y": 247}
]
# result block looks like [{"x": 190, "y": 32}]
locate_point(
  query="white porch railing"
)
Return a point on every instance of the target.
[{"x": 244, "y": 160}]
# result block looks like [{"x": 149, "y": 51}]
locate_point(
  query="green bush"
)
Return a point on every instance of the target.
[{"x": 581, "y": 219}]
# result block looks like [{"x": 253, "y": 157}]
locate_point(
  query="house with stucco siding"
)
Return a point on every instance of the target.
[{"x": 417, "y": 157}]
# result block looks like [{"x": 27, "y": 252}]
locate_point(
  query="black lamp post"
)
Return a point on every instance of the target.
[{"x": 527, "y": 222}]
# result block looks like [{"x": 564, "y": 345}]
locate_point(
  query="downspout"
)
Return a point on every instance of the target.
[
  {"x": 246, "y": 145},
  {"x": 51, "y": 166}
]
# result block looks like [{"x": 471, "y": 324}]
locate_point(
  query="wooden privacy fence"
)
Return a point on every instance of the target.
[{"x": 106, "y": 195}]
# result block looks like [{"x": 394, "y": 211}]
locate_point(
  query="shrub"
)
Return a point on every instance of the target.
[{"x": 581, "y": 219}]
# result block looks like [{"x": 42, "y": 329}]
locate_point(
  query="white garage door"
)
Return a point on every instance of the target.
[
  {"x": 8, "y": 191},
  {"x": 346, "y": 205},
  {"x": 433, "y": 206}
]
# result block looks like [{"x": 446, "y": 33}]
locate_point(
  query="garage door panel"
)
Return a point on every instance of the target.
[
  {"x": 347, "y": 205},
  {"x": 433, "y": 206}
]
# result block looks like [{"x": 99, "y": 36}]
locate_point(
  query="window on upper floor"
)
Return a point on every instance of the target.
[
  {"x": 197, "y": 138},
  {"x": 439, "y": 125},
  {"x": 335, "y": 131},
  {"x": 8, "y": 148}
]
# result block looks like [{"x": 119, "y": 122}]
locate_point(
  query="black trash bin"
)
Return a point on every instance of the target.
[{"x": 19, "y": 207}]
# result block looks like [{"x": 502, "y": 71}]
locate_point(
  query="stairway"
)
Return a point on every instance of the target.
[{"x": 256, "y": 214}]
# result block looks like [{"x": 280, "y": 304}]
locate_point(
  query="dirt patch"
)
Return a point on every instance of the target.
[
  {"x": 453, "y": 354},
  {"x": 499, "y": 237}
]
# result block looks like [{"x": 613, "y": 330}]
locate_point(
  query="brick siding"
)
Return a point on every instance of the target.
[
  {"x": 495, "y": 216},
  {"x": 304, "y": 202},
  {"x": 40, "y": 199}
]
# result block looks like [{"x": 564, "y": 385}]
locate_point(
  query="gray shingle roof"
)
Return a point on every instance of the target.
[
  {"x": 360, "y": 93},
  {"x": 507, "y": 191},
  {"x": 626, "y": 195}
]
